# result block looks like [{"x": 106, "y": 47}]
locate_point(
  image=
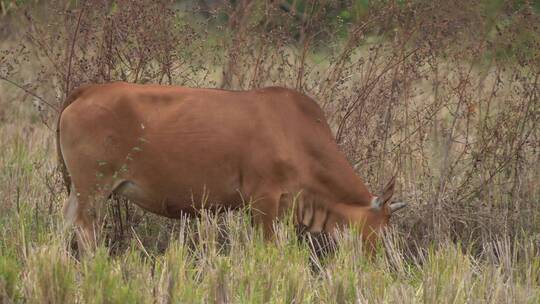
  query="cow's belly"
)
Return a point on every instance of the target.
[{"x": 172, "y": 200}]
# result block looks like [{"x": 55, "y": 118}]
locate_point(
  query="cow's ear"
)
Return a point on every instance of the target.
[{"x": 388, "y": 191}]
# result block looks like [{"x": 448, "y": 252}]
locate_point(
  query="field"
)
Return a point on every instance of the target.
[{"x": 443, "y": 94}]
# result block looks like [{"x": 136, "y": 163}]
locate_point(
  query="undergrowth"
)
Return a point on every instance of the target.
[{"x": 443, "y": 93}]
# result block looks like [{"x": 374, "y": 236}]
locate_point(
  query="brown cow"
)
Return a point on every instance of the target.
[{"x": 173, "y": 149}]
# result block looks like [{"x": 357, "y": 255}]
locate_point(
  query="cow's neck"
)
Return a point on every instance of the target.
[{"x": 336, "y": 180}]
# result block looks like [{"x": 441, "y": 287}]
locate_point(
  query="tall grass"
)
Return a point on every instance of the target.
[
  {"x": 444, "y": 94},
  {"x": 224, "y": 259}
]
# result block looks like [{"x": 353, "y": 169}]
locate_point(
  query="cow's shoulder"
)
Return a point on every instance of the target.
[{"x": 302, "y": 102}]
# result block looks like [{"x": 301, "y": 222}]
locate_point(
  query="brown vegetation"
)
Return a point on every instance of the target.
[{"x": 445, "y": 93}]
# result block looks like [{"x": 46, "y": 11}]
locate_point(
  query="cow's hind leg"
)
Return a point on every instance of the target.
[{"x": 84, "y": 211}]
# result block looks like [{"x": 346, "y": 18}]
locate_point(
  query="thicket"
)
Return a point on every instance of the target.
[{"x": 445, "y": 93}]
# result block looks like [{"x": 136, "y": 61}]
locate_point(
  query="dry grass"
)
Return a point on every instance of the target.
[{"x": 445, "y": 94}]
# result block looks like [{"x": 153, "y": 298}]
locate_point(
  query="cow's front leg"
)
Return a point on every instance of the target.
[{"x": 264, "y": 210}]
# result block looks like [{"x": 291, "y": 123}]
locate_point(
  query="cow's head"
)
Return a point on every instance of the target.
[{"x": 370, "y": 220}]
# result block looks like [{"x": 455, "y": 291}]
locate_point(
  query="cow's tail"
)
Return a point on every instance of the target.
[{"x": 73, "y": 95}]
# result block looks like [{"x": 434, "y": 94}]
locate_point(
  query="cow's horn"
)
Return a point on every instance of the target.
[
  {"x": 376, "y": 203},
  {"x": 397, "y": 206}
]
